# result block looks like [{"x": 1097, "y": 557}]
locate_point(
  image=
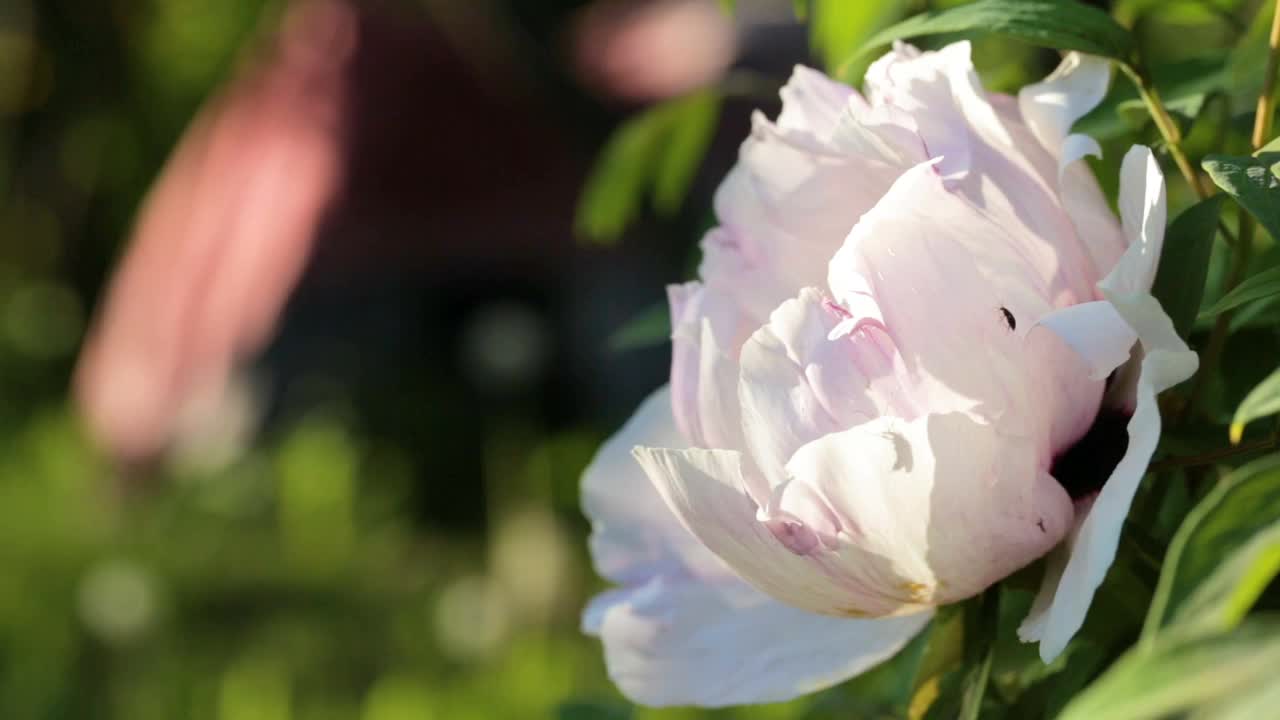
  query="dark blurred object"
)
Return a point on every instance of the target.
[{"x": 223, "y": 236}]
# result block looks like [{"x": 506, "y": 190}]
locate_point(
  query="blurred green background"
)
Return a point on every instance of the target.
[{"x": 398, "y": 537}]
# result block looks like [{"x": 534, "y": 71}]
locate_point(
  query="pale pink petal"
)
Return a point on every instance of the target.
[
  {"x": 814, "y": 103},
  {"x": 920, "y": 85},
  {"x": 926, "y": 512},
  {"x": 1049, "y": 109},
  {"x": 1142, "y": 213},
  {"x": 798, "y": 383},
  {"x": 634, "y": 537},
  {"x": 783, "y": 211},
  {"x": 684, "y": 630},
  {"x": 708, "y": 328},
  {"x": 1165, "y": 360},
  {"x": 675, "y": 642},
  {"x": 1051, "y": 106},
  {"x": 957, "y": 504},
  {"x": 1096, "y": 332},
  {"x": 959, "y": 293}
]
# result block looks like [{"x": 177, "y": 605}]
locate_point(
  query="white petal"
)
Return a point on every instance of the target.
[
  {"x": 890, "y": 516},
  {"x": 1049, "y": 109},
  {"x": 1164, "y": 361},
  {"x": 813, "y": 102},
  {"x": 955, "y": 504},
  {"x": 708, "y": 328},
  {"x": 797, "y": 384},
  {"x": 675, "y": 642},
  {"x": 686, "y": 631},
  {"x": 784, "y": 210},
  {"x": 1052, "y": 106},
  {"x": 1142, "y": 213},
  {"x": 949, "y": 281},
  {"x": 1094, "y": 548},
  {"x": 1032, "y": 628},
  {"x": 634, "y": 536},
  {"x": 1096, "y": 332}
]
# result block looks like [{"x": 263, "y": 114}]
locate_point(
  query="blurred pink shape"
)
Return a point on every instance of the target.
[
  {"x": 223, "y": 236},
  {"x": 654, "y": 50}
]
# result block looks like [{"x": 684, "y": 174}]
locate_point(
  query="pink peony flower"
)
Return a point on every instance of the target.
[{"x": 889, "y": 387}]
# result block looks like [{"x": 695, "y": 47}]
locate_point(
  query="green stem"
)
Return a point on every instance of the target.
[
  {"x": 1215, "y": 456},
  {"x": 1168, "y": 128},
  {"x": 1266, "y": 109}
]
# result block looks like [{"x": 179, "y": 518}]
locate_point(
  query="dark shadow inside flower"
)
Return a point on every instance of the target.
[{"x": 1084, "y": 467}]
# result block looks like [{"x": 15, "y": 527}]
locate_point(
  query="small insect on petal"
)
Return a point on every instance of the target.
[{"x": 1008, "y": 318}]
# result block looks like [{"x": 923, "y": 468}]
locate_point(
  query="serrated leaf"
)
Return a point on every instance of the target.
[
  {"x": 1060, "y": 24},
  {"x": 1256, "y": 287},
  {"x": 1243, "y": 504},
  {"x": 651, "y": 327},
  {"x": 1179, "y": 284},
  {"x": 1262, "y": 401},
  {"x": 1250, "y": 181},
  {"x": 1183, "y": 673}
]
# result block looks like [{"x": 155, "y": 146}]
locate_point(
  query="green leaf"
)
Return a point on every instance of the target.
[
  {"x": 1271, "y": 147},
  {"x": 1263, "y": 285},
  {"x": 1250, "y": 181},
  {"x": 1243, "y": 504},
  {"x": 1262, "y": 400},
  {"x": 1179, "y": 284},
  {"x": 1183, "y": 85},
  {"x": 943, "y": 652},
  {"x": 838, "y": 27},
  {"x": 1060, "y": 24},
  {"x": 658, "y": 151},
  {"x": 1223, "y": 599},
  {"x": 975, "y": 688},
  {"x": 594, "y": 710},
  {"x": 651, "y": 327},
  {"x": 981, "y": 623},
  {"x": 1251, "y": 704},
  {"x": 800, "y": 8},
  {"x": 1183, "y": 673},
  {"x": 690, "y": 134}
]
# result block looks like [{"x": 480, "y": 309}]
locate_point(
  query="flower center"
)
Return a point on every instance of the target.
[{"x": 1084, "y": 467}]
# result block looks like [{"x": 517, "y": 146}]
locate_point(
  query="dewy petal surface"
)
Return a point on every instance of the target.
[
  {"x": 684, "y": 630},
  {"x": 1163, "y": 361}
]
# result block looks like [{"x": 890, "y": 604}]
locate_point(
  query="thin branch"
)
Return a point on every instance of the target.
[
  {"x": 1214, "y": 456},
  {"x": 1167, "y": 126}
]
